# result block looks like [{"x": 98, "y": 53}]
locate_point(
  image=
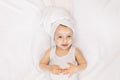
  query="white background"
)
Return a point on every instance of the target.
[{"x": 21, "y": 37}]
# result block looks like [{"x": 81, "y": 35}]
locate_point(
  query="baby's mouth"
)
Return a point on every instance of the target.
[{"x": 64, "y": 44}]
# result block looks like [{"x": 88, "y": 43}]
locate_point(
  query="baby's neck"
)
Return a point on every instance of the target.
[{"x": 62, "y": 52}]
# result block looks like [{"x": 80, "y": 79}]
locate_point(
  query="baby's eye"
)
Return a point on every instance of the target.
[
  {"x": 59, "y": 36},
  {"x": 69, "y": 36}
]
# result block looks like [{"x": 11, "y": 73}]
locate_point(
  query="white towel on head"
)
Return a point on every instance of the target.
[{"x": 54, "y": 16}]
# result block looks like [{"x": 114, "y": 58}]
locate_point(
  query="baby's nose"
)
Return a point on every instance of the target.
[{"x": 64, "y": 40}]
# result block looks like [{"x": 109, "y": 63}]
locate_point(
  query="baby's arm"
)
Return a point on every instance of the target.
[
  {"x": 44, "y": 64},
  {"x": 80, "y": 60}
]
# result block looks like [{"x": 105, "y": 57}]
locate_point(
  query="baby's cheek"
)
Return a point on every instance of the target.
[
  {"x": 70, "y": 41},
  {"x": 58, "y": 42}
]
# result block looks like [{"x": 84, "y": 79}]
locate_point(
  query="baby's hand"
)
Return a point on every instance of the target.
[
  {"x": 70, "y": 70},
  {"x": 55, "y": 69}
]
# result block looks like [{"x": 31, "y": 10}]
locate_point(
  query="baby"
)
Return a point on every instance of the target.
[{"x": 63, "y": 60}]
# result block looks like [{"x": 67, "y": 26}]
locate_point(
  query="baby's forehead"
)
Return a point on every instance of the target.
[
  {"x": 63, "y": 31},
  {"x": 63, "y": 28}
]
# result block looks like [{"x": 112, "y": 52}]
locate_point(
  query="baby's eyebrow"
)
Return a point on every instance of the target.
[
  {"x": 70, "y": 33},
  {"x": 58, "y": 34}
]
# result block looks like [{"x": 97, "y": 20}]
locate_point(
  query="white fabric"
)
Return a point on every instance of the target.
[
  {"x": 99, "y": 35},
  {"x": 63, "y": 63},
  {"x": 21, "y": 37}
]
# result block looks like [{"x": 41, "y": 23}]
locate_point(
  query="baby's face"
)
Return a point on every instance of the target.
[{"x": 63, "y": 37}]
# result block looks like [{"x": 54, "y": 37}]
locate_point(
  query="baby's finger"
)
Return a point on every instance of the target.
[
  {"x": 66, "y": 72},
  {"x": 57, "y": 72}
]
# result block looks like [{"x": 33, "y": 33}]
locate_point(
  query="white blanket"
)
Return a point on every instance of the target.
[{"x": 22, "y": 40}]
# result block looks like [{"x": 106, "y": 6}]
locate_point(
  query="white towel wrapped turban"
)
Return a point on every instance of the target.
[{"x": 52, "y": 17}]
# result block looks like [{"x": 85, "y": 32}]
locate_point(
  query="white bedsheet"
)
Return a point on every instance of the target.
[{"x": 21, "y": 38}]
